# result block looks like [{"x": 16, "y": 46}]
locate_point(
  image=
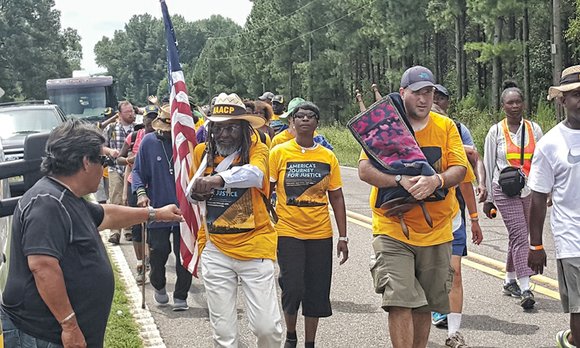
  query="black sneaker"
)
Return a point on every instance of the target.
[
  {"x": 512, "y": 289},
  {"x": 527, "y": 301}
]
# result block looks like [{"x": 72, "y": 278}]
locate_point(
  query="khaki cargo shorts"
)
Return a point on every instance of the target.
[{"x": 413, "y": 277}]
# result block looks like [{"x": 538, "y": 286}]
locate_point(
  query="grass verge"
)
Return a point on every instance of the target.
[
  {"x": 346, "y": 149},
  {"x": 122, "y": 330}
]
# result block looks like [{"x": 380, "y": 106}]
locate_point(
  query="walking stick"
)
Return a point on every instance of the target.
[{"x": 144, "y": 262}]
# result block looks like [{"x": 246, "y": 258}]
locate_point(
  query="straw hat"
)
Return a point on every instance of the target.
[
  {"x": 569, "y": 81},
  {"x": 163, "y": 121},
  {"x": 231, "y": 107}
]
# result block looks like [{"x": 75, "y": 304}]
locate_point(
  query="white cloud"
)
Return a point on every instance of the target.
[{"x": 95, "y": 19}]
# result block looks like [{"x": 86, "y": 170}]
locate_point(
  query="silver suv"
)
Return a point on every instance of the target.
[{"x": 19, "y": 119}]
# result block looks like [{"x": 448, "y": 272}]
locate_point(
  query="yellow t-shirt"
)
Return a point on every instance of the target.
[
  {"x": 441, "y": 143},
  {"x": 275, "y": 117},
  {"x": 303, "y": 180},
  {"x": 267, "y": 139},
  {"x": 283, "y": 137},
  {"x": 199, "y": 123},
  {"x": 238, "y": 220}
]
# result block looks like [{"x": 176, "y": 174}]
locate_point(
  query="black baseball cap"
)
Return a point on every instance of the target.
[
  {"x": 439, "y": 88},
  {"x": 417, "y": 77}
]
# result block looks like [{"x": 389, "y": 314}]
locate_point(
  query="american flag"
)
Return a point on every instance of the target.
[{"x": 183, "y": 139}]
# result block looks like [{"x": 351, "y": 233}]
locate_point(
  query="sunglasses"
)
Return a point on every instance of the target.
[
  {"x": 104, "y": 160},
  {"x": 306, "y": 115}
]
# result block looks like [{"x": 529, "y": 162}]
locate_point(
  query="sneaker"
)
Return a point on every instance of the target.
[
  {"x": 439, "y": 320},
  {"x": 562, "y": 339},
  {"x": 115, "y": 238},
  {"x": 128, "y": 236},
  {"x": 290, "y": 343},
  {"x": 179, "y": 305},
  {"x": 161, "y": 298},
  {"x": 527, "y": 301},
  {"x": 141, "y": 277},
  {"x": 456, "y": 341},
  {"x": 512, "y": 289}
]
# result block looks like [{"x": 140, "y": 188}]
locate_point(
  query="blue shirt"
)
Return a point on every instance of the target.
[
  {"x": 152, "y": 172},
  {"x": 465, "y": 134}
]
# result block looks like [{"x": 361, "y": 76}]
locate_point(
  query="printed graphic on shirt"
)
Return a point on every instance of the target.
[
  {"x": 433, "y": 154},
  {"x": 306, "y": 183},
  {"x": 230, "y": 211},
  {"x": 574, "y": 155}
]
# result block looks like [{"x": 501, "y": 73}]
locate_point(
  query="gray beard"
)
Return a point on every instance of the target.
[{"x": 225, "y": 151}]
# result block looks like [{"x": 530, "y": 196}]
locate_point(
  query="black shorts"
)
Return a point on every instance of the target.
[{"x": 305, "y": 275}]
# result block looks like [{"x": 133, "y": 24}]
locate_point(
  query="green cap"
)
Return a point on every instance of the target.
[{"x": 292, "y": 105}]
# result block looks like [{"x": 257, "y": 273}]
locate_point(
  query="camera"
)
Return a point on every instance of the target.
[{"x": 109, "y": 161}]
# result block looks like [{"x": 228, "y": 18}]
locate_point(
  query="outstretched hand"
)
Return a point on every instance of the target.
[{"x": 168, "y": 213}]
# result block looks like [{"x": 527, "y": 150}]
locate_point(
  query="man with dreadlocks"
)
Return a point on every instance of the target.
[{"x": 237, "y": 239}]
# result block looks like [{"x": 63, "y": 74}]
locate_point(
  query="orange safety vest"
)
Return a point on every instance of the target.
[{"x": 513, "y": 151}]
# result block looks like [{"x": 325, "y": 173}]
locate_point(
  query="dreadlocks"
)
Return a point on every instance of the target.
[{"x": 246, "y": 143}]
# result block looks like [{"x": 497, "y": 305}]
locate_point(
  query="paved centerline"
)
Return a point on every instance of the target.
[{"x": 476, "y": 261}]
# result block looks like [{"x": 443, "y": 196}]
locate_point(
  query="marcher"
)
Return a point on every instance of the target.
[
  {"x": 466, "y": 198},
  {"x": 278, "y": 109},
  {"x": 290, "y": 132},
  {"x": 503, "y": 150},
  {"x": 237, "y": 239},
  {"x": 154, "y": 184},
  {"x": 60, "y": 281},
  {"x": 412, "y": 273},
  {"x": 555, "y": 170},
  {"x": 260, "y": 108},
  {"x": 127, "y": 158},
  {"x": 304, "y": 173},
  {"x": 115, "y": 134}
]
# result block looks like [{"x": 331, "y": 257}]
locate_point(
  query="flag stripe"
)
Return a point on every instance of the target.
[{"x": 183, "y": 140}]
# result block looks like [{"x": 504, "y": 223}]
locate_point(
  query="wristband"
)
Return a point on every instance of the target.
[
  {"x": 151, "y": 214},
  {"x": 441, "y": 180},
  {"x": 536, "y": 247},
  {"x": 141, "y": 192},
  {"x": 474, "y": 215},
  {"x": 474, "y": 219},
  {"x": 67, "y": 318}
]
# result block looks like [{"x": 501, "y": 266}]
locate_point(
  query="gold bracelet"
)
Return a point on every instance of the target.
[
  {"x": 67, "y": 318},
  {"x": 474, "y": 215}
]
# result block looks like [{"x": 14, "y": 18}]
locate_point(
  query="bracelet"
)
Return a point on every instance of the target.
[
  {"x": 141, "y": 192},
  {"x": 537, "y": 247},
  {"x": 474, "y": 219},
  {"x": 151, "y": 214},
  {"x": 474, "y": 215},
  {"x": 441, "y": 180},
  {"x": 67, "y": 318}
]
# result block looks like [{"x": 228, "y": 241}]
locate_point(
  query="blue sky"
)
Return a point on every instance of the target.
[{"x": 94, "y": 19}]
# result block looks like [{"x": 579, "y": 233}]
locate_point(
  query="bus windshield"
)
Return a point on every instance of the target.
[{"x": 82, "y": 102}]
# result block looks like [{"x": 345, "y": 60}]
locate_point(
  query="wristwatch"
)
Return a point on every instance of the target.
[
  {"x": 344, "y": 239},
  {"x": 398, "y": 179},
  {"x": 151, "y": 216}
]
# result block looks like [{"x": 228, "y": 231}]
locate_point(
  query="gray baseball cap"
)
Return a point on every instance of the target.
[
  {"x": 266, "y": 96},
  {"x": 439, "y": 88},
  {"x": 417, "y": 77}
]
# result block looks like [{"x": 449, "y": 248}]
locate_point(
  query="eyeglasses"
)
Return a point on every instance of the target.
[
  {"x": 307, "y": 115},
  {"x": 217, "y": 130}
]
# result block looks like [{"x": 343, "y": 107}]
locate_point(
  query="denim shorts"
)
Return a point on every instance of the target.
[{"x": 15, "y": 338}]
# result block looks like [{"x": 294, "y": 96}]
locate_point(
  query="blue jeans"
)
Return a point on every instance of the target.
[{"x": 14, "y": 338}]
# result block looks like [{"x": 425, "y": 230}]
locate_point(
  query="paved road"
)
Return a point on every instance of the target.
[{"x": 490, "y": 319}]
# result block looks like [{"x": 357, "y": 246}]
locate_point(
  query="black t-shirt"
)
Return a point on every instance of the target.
[{"x": 51, "y": 220}]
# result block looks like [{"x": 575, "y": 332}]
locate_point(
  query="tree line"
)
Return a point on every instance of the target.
[
  {"x": 34, "y": 47},
  {"x": 323, "y": 50}
]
